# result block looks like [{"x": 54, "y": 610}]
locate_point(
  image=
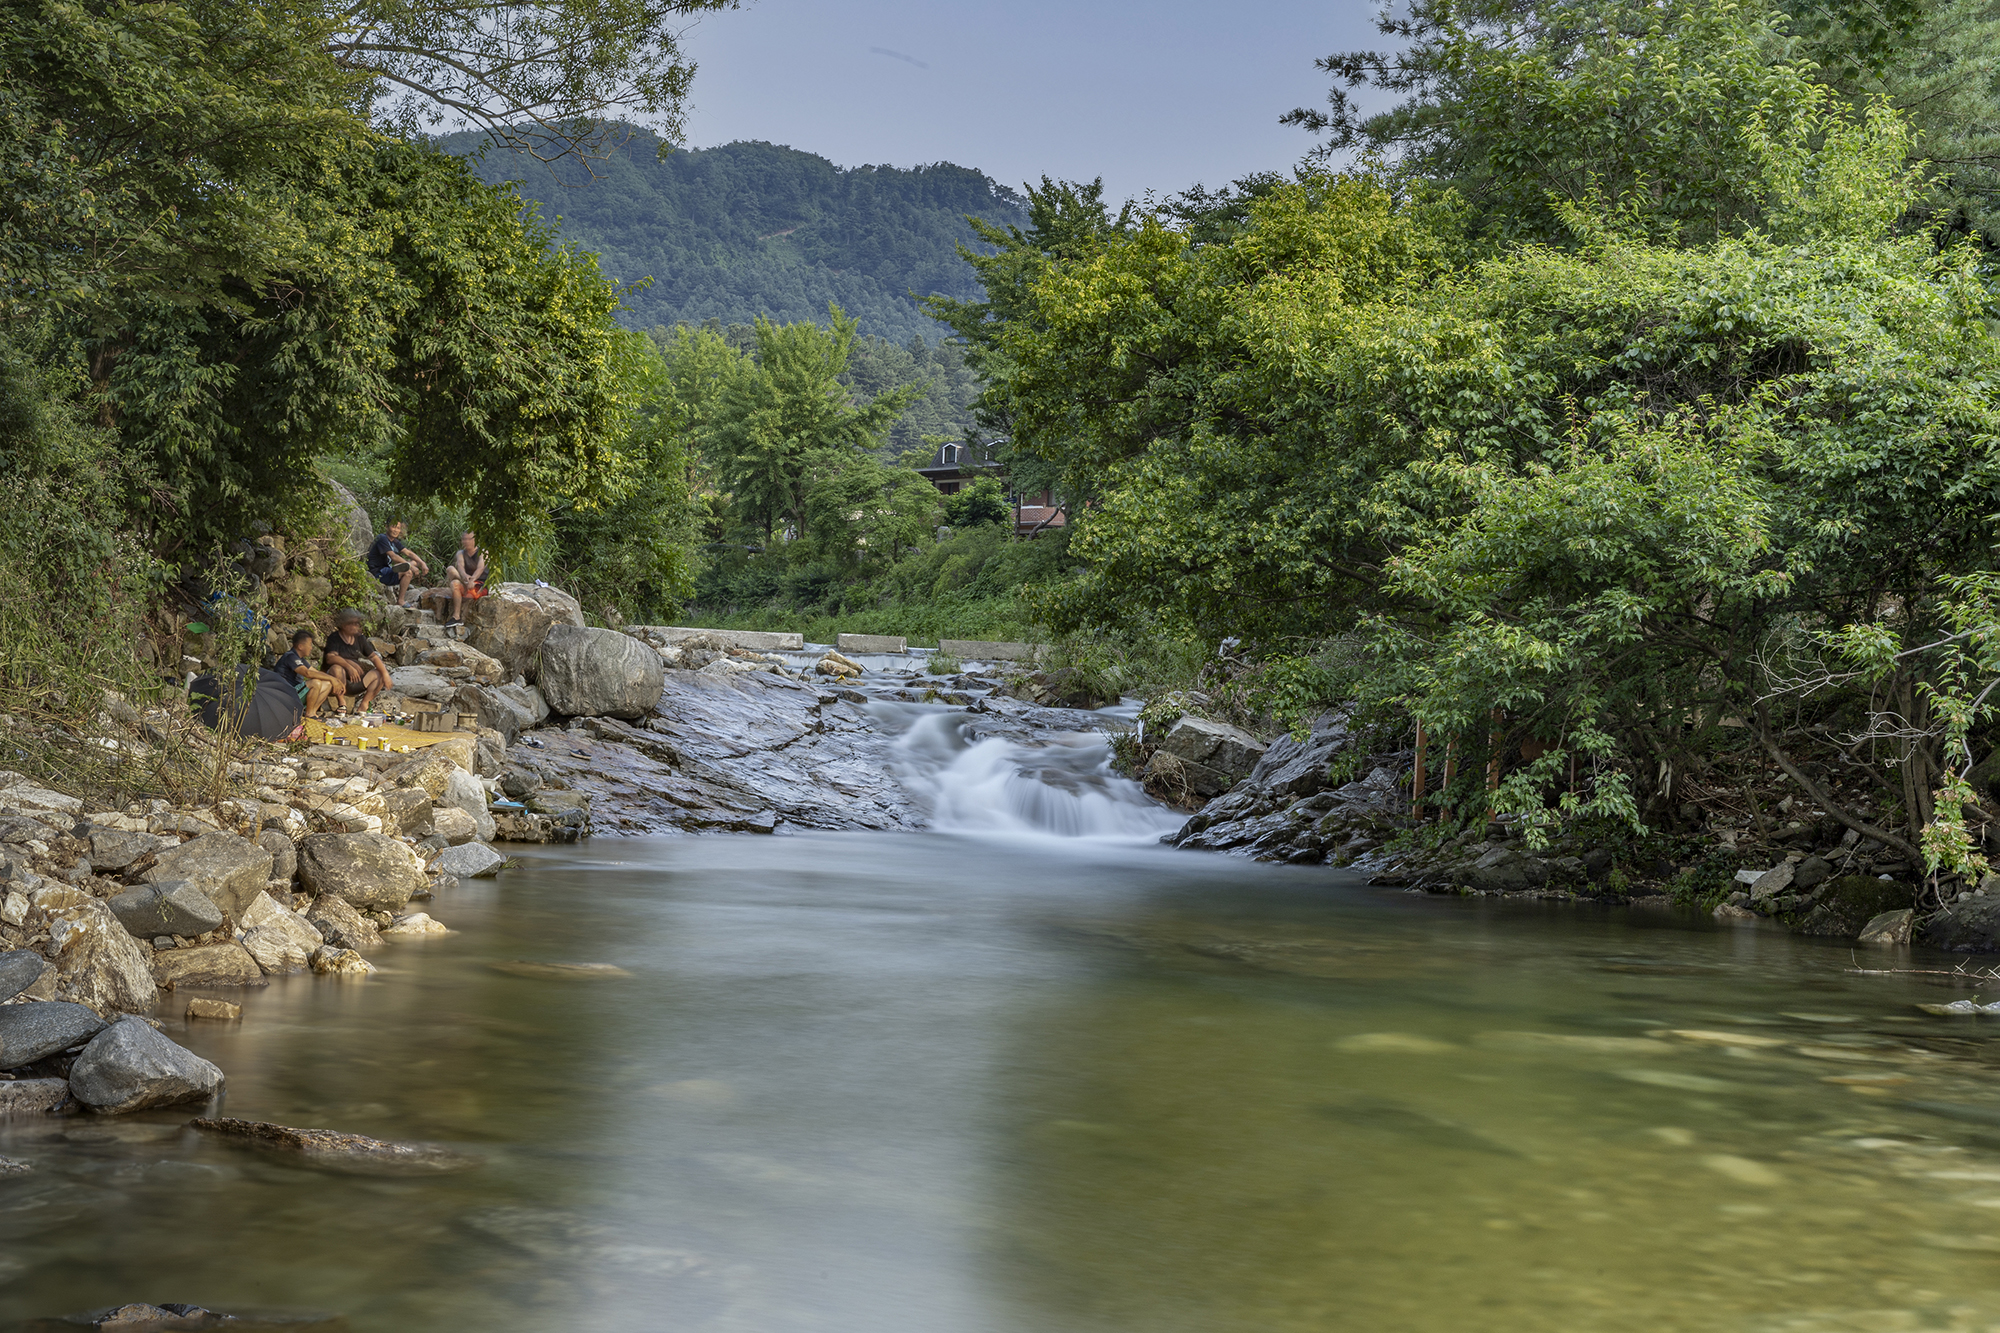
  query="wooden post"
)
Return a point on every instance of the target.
[
  {"x": 1450, "y": 762},
  {"x": 1417, "y": 779}
]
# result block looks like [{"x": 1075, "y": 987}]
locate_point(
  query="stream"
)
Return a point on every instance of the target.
[{"x": 1032, "y": 1073}]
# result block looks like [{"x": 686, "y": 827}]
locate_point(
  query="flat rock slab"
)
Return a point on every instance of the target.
[
  {"x": 129, "y": 1067},
  {"x": 988, "y": 650},
  {"x": 32, "y": 1096},
  {"x": 334, "y": 1149},
  {"x": 30, "y": 1032},
  {"x": 19, "y": 969},
  {"x": 522, "y": 967}
]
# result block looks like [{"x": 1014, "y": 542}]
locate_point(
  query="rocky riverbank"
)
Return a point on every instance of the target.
[{"x": 1802, "y": 870}]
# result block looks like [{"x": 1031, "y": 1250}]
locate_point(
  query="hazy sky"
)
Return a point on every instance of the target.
[{"x": 1148, "y": 95}]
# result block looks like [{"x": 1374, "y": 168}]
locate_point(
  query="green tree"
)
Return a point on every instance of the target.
[{"x": 792, "y": 422}]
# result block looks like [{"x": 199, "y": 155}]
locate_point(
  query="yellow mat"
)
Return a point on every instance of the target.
[{"x": 386, "y": 737}]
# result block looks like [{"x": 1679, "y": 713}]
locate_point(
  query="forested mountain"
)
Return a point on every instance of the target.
[{"x": 752, "y": 229}]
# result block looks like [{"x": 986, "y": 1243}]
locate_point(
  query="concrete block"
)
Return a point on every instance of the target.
[
  {"x": 755, "y": 640},
  {"x": 982, "y": 650},
  {"x": 872, "y": 643}
]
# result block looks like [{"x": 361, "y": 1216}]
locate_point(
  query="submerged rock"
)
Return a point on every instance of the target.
[
  {"x": 329, "y": 1147},
  {"x": 522, "y": 967},
  {"x": 129, "y": 1066},
  {"x": 32, "y": 1096}
]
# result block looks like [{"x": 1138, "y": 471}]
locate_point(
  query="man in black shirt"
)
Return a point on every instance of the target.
[
  {"x": 394, "y": 564},
  {"x": 353, "y": 660},
  {"x": 313, "y": 686}
]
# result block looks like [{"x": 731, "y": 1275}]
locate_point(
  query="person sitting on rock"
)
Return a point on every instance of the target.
[
  {"x": 313, "y": 685},
  {"x": 468, "y": 576},
  {"x": 394, "y": 564},
  {"x": 353, "y": 661}
]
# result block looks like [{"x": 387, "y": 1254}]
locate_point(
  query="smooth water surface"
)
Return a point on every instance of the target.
[{"x": 946, "y": 1084}]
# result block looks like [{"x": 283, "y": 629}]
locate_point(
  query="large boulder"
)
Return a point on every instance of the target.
[
  {"x": 209, "y": 965},
  {"x": 1206, "y": 757},
  {"x": 366, "y": 869},
  {"x": 496, "y": 708},
  {"x": 1299, "y": 768},
  {"x": 513, "y": 619},
  {"x": 422, "y": 682},
  {"x": 357, "y": 530},
  {"x": 467, "y": 793},
  {"x": 32, "y": 1031},
  {"x": 278, "y": 938},
  {"x": 341, "y": 926},
  {"x": 97, "y": 962},
  {"x": 152, "y": 910},
  {"x": 1972, "y": 926},
  {"x": 129, "y": 1066},
  {"x": 231, "y": 870},
  {"x": 600, "y": 673}
]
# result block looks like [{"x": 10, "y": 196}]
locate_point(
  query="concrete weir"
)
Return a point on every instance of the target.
[{"x": 872, "y": 643}]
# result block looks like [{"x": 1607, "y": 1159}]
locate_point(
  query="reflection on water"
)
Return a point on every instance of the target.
[{"x": 957, "y": 1085}]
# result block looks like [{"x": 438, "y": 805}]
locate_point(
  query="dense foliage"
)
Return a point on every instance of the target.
[
  {"x": 1591, "y": 464},
  {"x": 753, "y": 229}
]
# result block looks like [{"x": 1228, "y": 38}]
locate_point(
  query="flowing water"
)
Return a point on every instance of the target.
[{"x": 1002, "y": 1080}]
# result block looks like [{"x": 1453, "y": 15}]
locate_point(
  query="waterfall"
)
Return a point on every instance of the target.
[{"x": 1061, "y": 785}]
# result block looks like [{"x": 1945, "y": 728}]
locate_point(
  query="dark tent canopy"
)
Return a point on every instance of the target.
[{"x": 260, "y": 703}]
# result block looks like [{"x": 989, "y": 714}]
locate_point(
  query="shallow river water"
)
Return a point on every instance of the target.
[{"x": 1012, "y": 1083}]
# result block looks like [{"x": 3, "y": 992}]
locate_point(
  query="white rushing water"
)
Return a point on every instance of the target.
[{"x": 1062, "y": 786}]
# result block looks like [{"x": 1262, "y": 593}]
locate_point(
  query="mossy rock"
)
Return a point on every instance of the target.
[{"x": 1841, "y": 907}]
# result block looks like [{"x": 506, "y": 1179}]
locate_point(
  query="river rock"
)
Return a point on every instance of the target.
[
  {"x": 454, "y": 825},
  {"x": 340, "y": 925},
  {"x": 1843, "y": 907},
  {"x": 220, "y": 1011},
  {"x": 406, "y": 811},
  {"x": 40, "y": 1028},
  {"x": 1504, "y": 870},
  {"x": 230, "y": 869},
  {"x": 32, "y": 1096},
  {"x": 427, "y": 770},
  {"x": 1889, "y": 928},
  {"x": 19, "y": 969},
  {"x": 1773, "y": 881},
  {"x": 284, "y": 855},
  {"x": 227, "y": 964},
  {"x": 116, "y": 848},
  {"x": 414, "y": 925},
  {"x": 599, "y": 673},
  {"x": 469, "y": 794},
  {"x": 174, "y": 908},
  {"x": 513, "y": 620},
  {"x": 129, "y": 1066},
  {"x": 495, "y": 710},
  {"x": 278, "y": 938},
  {"x": 97, "y": 961},
  {"x": 366, "y": 869},
  {"x": 528, "y": 699},
  {"x": 327, "y": 961},
  {"x": 1215, "y": 754},
  {"x": 474, "y": 860},
  {"x": 1972, "y": 926}
]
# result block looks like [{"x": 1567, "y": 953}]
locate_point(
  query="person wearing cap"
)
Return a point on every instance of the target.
[
  {"x": 468, "y": 575},
  {"x": 313, "y": 686},
  {"x": 353, "y": 661}
]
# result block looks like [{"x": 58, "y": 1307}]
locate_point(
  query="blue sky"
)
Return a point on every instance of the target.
[{"x": 1149, "y": 96}]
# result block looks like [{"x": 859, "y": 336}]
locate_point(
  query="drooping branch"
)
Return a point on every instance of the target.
[{"x": 1822, "y": 797}]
